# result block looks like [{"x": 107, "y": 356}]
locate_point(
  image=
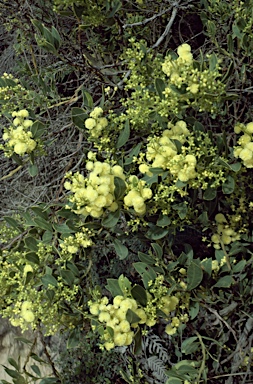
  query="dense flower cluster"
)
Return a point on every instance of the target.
[
  {"x": 245, "y": 148},
  {"x": 225, "y": 233},
  {"x": 95, "y": 193},
  {"x": 137, "y": 194},
  {"x": 72, "y": 244},
  {"x": 96, "y": 123},
  {"x": 162, "y": 152},
  {"x": 19, "y": 138},
  {"x": 190, "y": 85},
  {"x": 119, "y": 323}
]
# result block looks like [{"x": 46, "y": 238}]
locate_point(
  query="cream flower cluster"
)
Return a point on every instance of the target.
[
  {"x": 115, "y": 316},
  {"x": 137, "y": 195},
  {"x": 96, "y": 123},
  {"x": 194, "y": 83},
  {"x": 162, "y": 153},
  {"x": 245, "y": 149},
  {"x": 94, "y": 194},
  {"x": 72, "y": 244},
  {"x": 19, "y": 139},
  {"x": 225, "y": 234},
  {"x": 26, "y": 314}
]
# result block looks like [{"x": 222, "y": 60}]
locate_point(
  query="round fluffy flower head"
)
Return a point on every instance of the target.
[
  {"x": 23, "y": 113},
  {"x": 20, "y": 148},
  {"x": 90, "y": 123},
  {"x": 249, "y": 128},
  {"x": 184, "y": 53},
  {"x": 97, "y": 112}
]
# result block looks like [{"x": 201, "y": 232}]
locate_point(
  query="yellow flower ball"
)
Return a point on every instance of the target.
[
  {"x": 117, "y": 301},
  {"x": 28, "y": 316},
  {"x": 104, "y": 317},
  {"x": 120, "y": 339},
  {"x": 170, "y": 330},
  {"x": 124, "y": 326},
  {"x": 20, "y": 148},
  {"x": 96, "y": 112},
  {"x": 90, "y": 123},
  {"x": 94, "y": 309},
  {"x": 249, "y": 127},
  {"x": 246, "y": 154},
  {"x": 109, "y": 345},
  {"x": 23, "y": 113},
  {"x": 220, "y": 218}
]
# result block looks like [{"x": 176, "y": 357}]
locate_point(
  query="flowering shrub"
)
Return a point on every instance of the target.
[{"x": 142, "y": 241}]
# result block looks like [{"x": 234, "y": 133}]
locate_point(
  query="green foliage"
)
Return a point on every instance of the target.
[{"x": 140, "y": 253}]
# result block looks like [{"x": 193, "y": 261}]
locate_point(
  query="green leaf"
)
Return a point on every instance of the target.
[
  {"x": 68, "y": 277},
  {"x": 131, "y": 317},
  {"x": 79, "y": 116},
  {"x": 42, "y": 223},
  {"x": 49, "y": 380},
  {"x": 37, "y": 358},
  {"x": 139, "y": 294},
  {"x": 49, "y": 280},
  {"x": 13, "y": 362},
  {"x": 224, "y": 282},
  {"x": 160, "y": 86},
  {"x": 13, "y": 223},
  {"x": 73, "y": 339},
  {"x": 38, "y": 129},
  {"x": 194, "y": 275},
  {"x": 146, "y": 258},
  {"x": 189, "y": 345},
  {"x": 33, "y": 170},
  {"x": 238, "y": 267},
  {"x": 236, "y": 32},
  {"x": 87, "y": 99},
  {"x": 111, "y": 220},
  {"x": 113, "y": 287},
  {"x": 236, "y": 167},
  {"x": 228, "y": 186},
  {"x": 156, "y": 233},
  {"x": 117, "y": 6},
  {"x": 163, "y": 221},
  {"x": 50, "y": 294},
  {"x": 33, "y": 258},
  {"x": 173, "y": 380},
  {"x": 29, "y": 277},
  {"x": 56, "y": 37},
  {"x": 207, "y": 265},
  {"x": 31, "y": 243},
  {"x": 124, "y": 135},
  {"x": 63, "y": 228},
  {"x": 121, "y": 250},
  {"x": 124, "y": 284},
  {"x": 47, "y": 237},
  {"x": 181, "y": 209},
  {"x": 209, "y": 194},
  {"x": 134, "y": 152},
  {"x": 147, "y": 273},
  {"x": 12, "y": 373},
  {"x": 213, "y": 62},
  {"x": 120, "y": 187},
  {"x": 23, "y": 340},
  {"x": 138, "y": 342},
  {"x": 158, "y": 250},
  {"x": 194, "y": 310},
  {"x": 40, "y": 212},
  {"x": 36, "y": 369}
]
